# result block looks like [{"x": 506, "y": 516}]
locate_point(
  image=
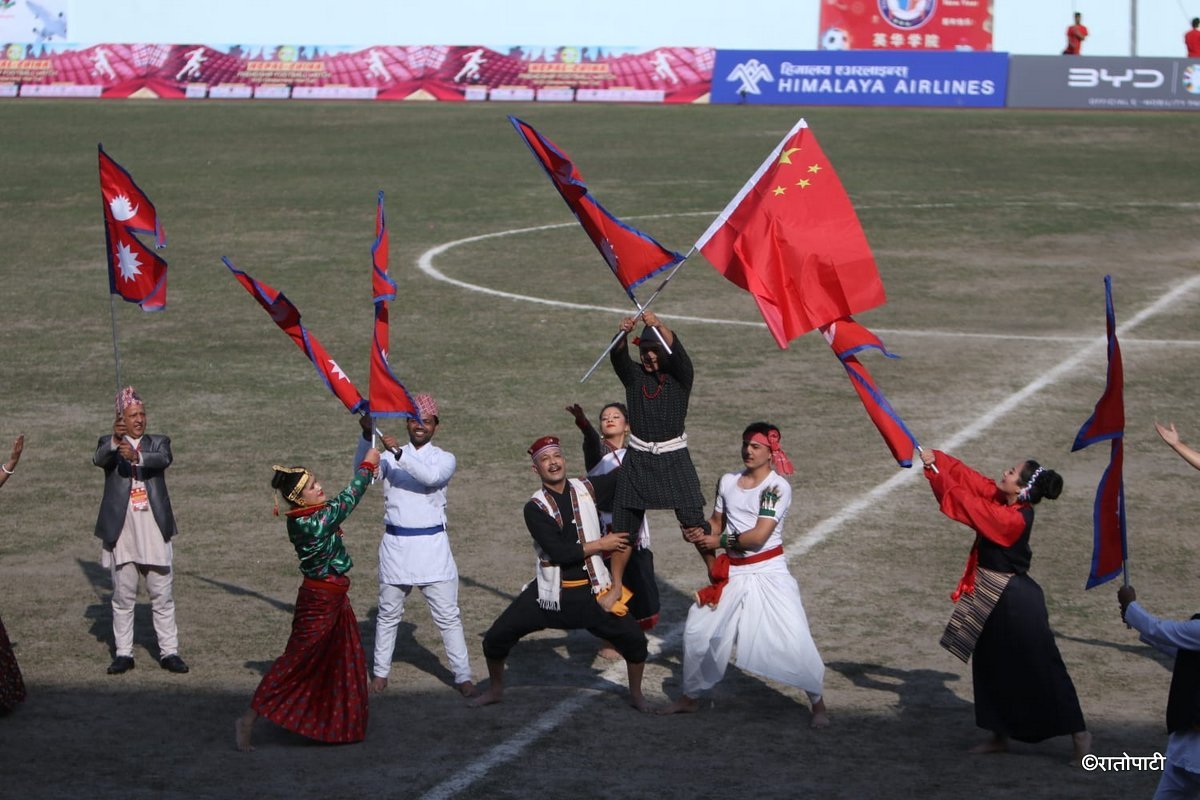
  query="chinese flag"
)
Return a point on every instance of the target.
[
  {"x": 632, "y": 255},
  {"x": 386, "y": 396},
  {"x": 791, "y": 238}
]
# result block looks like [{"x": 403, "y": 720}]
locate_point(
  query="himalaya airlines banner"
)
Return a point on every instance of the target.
[
  {"x": 906, "y": 25},
  {"x": 860, "y": 78},
  {"x": 662, "y": 75}
]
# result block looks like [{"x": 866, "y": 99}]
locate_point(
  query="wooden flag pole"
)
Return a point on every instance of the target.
[{"x": 641, "y": 310}]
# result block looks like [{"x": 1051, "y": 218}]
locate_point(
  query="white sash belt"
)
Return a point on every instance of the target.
[{"x": 654, "y": 448}]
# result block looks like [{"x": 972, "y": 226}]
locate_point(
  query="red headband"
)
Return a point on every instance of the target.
[{"x": 779, "y": 460}]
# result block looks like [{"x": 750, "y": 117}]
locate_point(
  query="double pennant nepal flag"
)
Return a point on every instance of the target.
[
  {"x": 1110, "y": 549},
  {"x": 792, "y": 239},
  {"x": 632, "y": 255},
  {"x": 386, "y": 396},
  {"x": 848, "y": 338},
  {"x": 287, "y": 317},
  {"x": 135, "y": 272}
]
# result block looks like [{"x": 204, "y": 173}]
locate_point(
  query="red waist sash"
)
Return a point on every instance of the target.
[
  {"x": 719, "y": 574},
  {"x": 331, "y": 583}
]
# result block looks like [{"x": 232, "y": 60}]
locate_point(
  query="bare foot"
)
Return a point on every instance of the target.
[
  {"x": 820, "y": 716},
  {"x": 684, "y": 705},
  {"x": 638, "y": 701},
  {"x": 242, "y": 728},
  {"x": 1082, "y": 745},
  {"x": 378, "y": 684},
  {"x": 467, "y": 689},
  {"x": 609, "y": 599},
  {"x": 996, "y": 744},
  {"x": 492, "y": 695},
  {"x": 608, "y": 652}
]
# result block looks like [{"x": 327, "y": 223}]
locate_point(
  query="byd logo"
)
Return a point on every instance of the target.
[{"x": 1090, "y": 78}]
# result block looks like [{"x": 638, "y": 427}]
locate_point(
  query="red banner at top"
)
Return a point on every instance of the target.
[
  {"x": 906, "y": 25},
  {"x": 381, "y": 72}
]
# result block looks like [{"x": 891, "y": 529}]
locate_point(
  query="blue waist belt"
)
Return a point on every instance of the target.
[{"x": 400, "y": 530}]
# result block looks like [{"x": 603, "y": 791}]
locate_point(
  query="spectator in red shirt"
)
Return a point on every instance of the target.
[
  {"x": 1192, "y": 39},
  {"x": 1075, "y": 36}
]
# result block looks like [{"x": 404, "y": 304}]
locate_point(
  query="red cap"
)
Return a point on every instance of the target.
[{"x": 544, "y": 443}]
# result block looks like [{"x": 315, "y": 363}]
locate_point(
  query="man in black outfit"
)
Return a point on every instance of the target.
[
  {"x": 658, "y": 470},
  {"x": 571, "y": 577}
]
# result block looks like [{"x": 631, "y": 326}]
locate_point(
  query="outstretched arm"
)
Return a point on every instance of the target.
[
  {"x": 1171, "y": 437},
  {"x": 338, "y": 508},
  {"x": 651, "y": 319},
  {"x": 593, "y": 448},
  {"x": 11, "y": 465}
]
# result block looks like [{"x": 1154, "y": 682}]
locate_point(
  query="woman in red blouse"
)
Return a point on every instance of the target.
[{"x": 1022, "y": 689}]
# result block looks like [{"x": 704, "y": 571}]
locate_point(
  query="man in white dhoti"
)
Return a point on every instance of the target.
[{"x": 753, "y": 604}]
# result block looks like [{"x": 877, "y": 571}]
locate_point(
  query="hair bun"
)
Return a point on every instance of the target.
[{"x": 1050, "y": 484}]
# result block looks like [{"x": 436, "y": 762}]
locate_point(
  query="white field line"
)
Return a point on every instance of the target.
[
  {"x": 425, "y": 262},
  {"x": 987, "y": 419},
  {"x": 512, "y": 748}
]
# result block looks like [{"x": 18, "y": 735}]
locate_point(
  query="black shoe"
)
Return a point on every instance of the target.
[
  {"x": 172, "y": 663},
  {"x": 120, "y": 664}
]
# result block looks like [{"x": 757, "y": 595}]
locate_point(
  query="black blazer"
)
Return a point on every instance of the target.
[{"x": 118, "y": 478}]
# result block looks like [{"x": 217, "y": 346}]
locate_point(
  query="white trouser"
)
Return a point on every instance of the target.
[
  {"x": 162, "y": 605},
  {"x": 442, "y": 598},
  {"x": 760, "y": 613}
]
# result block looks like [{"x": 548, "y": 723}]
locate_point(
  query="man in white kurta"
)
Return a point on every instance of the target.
[
  {"x": 754, "y": 604},
  {"x": 415, "y": 549}
]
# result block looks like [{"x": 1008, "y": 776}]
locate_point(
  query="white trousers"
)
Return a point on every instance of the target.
[
  {"x": 760, "y": 613},
  {"x": 162, "y": 606},
  {"x": 442, "y": 599}
]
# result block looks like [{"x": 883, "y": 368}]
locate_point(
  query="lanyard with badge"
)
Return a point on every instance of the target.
[{"x": 138, "y": 499}]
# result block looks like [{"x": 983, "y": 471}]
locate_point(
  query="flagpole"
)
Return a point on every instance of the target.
[
  {"x": 667, "y": 279},
  {"x": 931, "y": 466},
  {"x": 112, "y": 307},
  {"x": 641, "y": 310},
  {"x": 620, "y": 335}
]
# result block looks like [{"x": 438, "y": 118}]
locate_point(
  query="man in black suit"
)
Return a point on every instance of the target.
[{"x": 135, "y": 525}]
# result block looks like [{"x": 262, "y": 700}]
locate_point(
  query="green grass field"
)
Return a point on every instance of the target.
[{"x": 992, "y": 229}]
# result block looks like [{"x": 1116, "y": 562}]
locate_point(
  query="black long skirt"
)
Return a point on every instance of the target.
[{"x": 1022, "y": 689}]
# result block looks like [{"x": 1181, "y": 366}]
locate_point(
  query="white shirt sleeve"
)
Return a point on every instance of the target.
[{"x": 432, "y": 471}]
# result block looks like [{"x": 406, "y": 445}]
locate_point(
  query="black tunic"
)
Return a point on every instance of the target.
[
  {"x": 658, "y": 405},
  {"x": 578, "y": 606}
]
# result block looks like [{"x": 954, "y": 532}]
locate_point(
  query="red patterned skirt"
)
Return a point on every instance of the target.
[
  {"x": 12, "y": 688},
  {"x": 318, "y": 687}
]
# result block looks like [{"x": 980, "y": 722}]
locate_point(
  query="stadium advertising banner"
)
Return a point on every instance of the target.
[
  {"x": 1146, "y": 84},
  {"x": 906, "y": 25},
  {"x": 860, "y": 78},
  {"x": 661, "y": 75}
]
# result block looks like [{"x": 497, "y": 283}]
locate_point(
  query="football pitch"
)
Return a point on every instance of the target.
[{"x": 993, "y": 231}]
